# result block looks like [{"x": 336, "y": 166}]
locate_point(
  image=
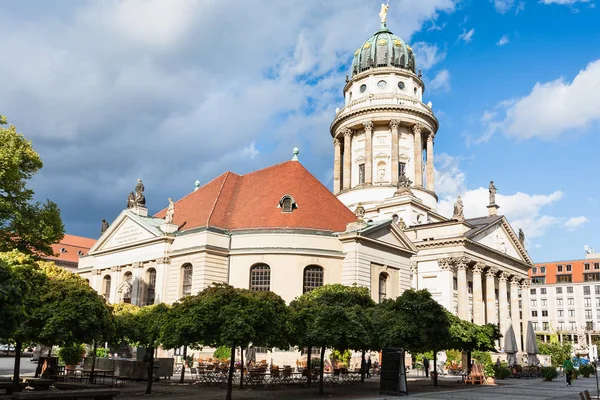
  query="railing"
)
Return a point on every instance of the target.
[{"x": 381, "y": 99}]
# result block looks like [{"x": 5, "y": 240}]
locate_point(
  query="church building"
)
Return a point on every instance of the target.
[{"x": 280, "y": 229}]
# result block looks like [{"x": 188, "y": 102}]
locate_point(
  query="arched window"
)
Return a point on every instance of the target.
[
  {"x": 126, "y": 291},
  {"x": 287, "y": 204},
  {"x": 313, "y": 278},
  {"x": 382, "y": 286},
  {"x": 186, "y": 281},
  {"x": 106, "y": 287},
  {"x": 151, "y": 281},
  {"x": 260, "y": 277}
]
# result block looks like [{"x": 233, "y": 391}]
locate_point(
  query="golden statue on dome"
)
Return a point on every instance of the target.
[{"x": 383, "y": 12}]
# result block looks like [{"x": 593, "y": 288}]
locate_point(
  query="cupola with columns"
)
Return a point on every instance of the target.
[{"x": 385, "y": 131}]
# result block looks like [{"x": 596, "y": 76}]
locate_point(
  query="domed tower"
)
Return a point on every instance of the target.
[{"x": 383, "y": 136}]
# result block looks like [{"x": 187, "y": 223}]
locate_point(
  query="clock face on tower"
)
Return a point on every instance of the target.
[{"x": 381, "y": 84}]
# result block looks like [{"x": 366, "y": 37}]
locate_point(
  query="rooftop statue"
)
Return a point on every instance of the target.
[
  {"x": 458, "y": 210},
  {"x": 521, "y": 236},
  {"x": 383, "y": 12},
  {"x": 140, "y": 200},
  {"x": 170, "y": 212},
  {"x": 131, "y": 200},
  {"x": 104, "y": 226},
  {"x": 492, "y": 189}
]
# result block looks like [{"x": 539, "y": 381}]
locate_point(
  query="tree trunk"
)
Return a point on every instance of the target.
[
  {"x": 321, "y": 383},
  {"x": 150, "y": 368},
  {"x": 93, "y": 362},
  {"x": 468, "y": 362},
  {"x": 363, "y": 365},
  {"x": 242, "y": 368},
  {"x": 230, "y": 377},
  {"x": 17, "y": 369},
  {"x": 308, "y": 364},
  {"x": 435, "y": 368},
  {"x": 183, "y": 364}
]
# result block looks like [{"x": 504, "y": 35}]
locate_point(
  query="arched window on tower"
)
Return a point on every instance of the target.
[
  {"x": 260, "y": 278},
  {"x": 106, "y": 287},
  {"x": 151, "y": 288},
  {"x": 313, "y": 278},
  {"x": 383, "y": 277},
  {"x": 186, "y": 279}
]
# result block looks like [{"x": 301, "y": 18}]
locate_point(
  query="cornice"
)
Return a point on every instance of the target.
[
  {"x": 384, "y": 71},
  {"x": 504, "y": 256}
]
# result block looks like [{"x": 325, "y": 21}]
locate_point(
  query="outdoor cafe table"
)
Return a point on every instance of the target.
[{"x": 98, "y": 374}]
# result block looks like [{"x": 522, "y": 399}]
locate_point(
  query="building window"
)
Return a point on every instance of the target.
[
  {"x": 401, "y": 168},
  {"x": 596, "y": 265},
  {"x": 559, "y": 268},
  {"x": 591, "y": 277},
  {"x": 151, "y": 291},
  {"x": 542, "y": 270},
  {"x": 588, "y": 314},
  {"x": 470, "y": 287},
  {"x": 586, "y": 291},
  {"x": 587, "y": 302},
  {"x": 561, "y": 325},
  {"x": 564, "y": 278},
  {"x": 535, "y": 326},
  {"x": 559, "y": 302},
  {"x": 586, "y": 266},
  {"x": 589, "y": 325},
  {"x": 186, "y": 281},
  {"x": 260, "y": 278},
  {"x": 597, "y": 289},
  {"x": 544, "y": 302},
  {"x": 571, "y": 301},
  {"x": 560, "y": 313},
  {"x": 455, "y": 284},
  {"x": 287, "y": 204},
  {"x": 598, "y": 314},
  {"x": 571, "y": 313},
  {"x": 313, "y": 278},
  {"x": 128, "y": 277},
  {"x": 538, "y": 280},
  {"x": 558, "y": 290},
  {"x": 544, "y": 313},
  {"x": 569, "y": 267},
  {"x": 571, "y": 326},
  {"x": 534, "y": 313},
  {"x": 546, "y": 326},
  {"x": 106, "y": 287},
  {"x": 570, "y": 289},
  {"x": 543, "y": 290},
  {"x": 361, "y": 173},
  {"x": 597, "y": 301},
  {"x": 534, "y": 270},
  {"x": 532, "y": 291},
  {"x": 382, "y": 286},
  {"x": 534, "y": 303}
]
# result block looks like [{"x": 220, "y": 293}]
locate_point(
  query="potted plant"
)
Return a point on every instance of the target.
[
  {"x": 71, "y": 355},
  {"x": 549, "y": 373},
  {"x": 587, "y": 370}
]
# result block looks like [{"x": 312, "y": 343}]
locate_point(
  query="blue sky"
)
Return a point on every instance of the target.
[{"x": 171, "y": 92}]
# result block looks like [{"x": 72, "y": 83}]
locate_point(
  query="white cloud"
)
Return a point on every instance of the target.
[
  {"x": 449, "y": 179},
  {"x": 503, "y": 40},
  {"x": 563, "y": 1},
  {"x": 551, "y": 109},
  {"x": 441, "y": 82},
  {"x": 575, "y": 222},
  {"x": 503, "y": 6},
  {"x": 427, "y": 54},
  {"x": 466, "y": 36}
]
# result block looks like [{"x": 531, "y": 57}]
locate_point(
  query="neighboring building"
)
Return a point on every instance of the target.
[
  {"x": 280, "y": 229},
  {"x": 565, "y": 300},
  {"x": 68, "y": 251}
]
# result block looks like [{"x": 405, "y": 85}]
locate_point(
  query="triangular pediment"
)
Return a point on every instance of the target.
[
  {"x": 390, "y": 234},
  {"x": 501, "y": 237},
  {"x": 125, "y": 230}
]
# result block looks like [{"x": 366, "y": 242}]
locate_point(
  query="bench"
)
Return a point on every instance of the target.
[
  {"x": 96, "y": 394},
  {"x": 8, "y": 386},
  {"x": 476, "y": 375},
  {"x": 39, "y": 383}
]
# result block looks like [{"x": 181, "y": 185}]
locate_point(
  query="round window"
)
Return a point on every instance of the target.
[
  {"x": 401, "y": 85},
  {"x": 363, "y": 87},
  {"x": 381, "y": 84}
]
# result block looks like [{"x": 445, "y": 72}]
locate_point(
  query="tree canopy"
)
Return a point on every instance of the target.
[{"x": 30, "y": 227}]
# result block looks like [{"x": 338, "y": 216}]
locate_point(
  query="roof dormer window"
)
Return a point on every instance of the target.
[
  {"x": 287, "y": 204},
  {"x": 63, "y": 250},
  {"x": 79, "y": 253}
]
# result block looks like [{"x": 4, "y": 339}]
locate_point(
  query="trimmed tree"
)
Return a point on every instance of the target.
[{"x": 468, "y": 337}]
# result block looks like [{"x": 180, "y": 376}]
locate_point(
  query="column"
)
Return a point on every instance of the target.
[
  {"x": 418, "y": 156},
  {"x": 368, "y": 152},
  {"x": 347, "y": 157},
  {"x": 337, "y": 159},
  {"x": 447, "y": 278},
  {"x": 463, "y": 291},
  {"x": 514, "y": 310},
  {"x": 525, "y": 311},
  {"x": 490, "y": 295},
  {"x": 503, "y": 302},
  {"x": 394, "y": 124},
  {"x": 478, "y": 312},
  {"x": 429, "y": 167}
]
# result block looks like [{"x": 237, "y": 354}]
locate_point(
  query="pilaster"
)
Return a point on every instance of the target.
[
  {"x": 418, "y": 155},
  {"x": 394, "y": 124},
  {"x": 368, "y": 125}
]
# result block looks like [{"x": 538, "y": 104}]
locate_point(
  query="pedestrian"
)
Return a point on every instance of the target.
[
  {"x": 426, "y": 366},
  {"x": 568, "y": 370},
  {"x": 369, "y": 367}
]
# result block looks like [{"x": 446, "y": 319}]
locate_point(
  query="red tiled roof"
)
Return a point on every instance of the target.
[
  {"x": 251, "y": 201},
  {"x": 72, "y": 244}
]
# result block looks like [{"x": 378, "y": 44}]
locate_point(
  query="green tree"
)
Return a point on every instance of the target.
[
  {"x": 335, "y": 316},
  {"x": 558, "y": 351},
  {"x": 24, "y": 225},
  {"x": 414, "y": 321},
  {"x": 469, "y": 337},
  {"x": 142, "y": 327}
]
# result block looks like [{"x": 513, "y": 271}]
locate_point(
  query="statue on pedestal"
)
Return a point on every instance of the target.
[
  {"x": 492, "y": 190},
  {"x": 458, "y": 210},
  {"x": 131, "y": 200},
  {"x": 402, "y": 224},
  {"x": 521, "y": 236},
  {"x": 104, "y": 226},
  {"x": 404, "y": 184},
  {"x": 359, "y": 212},
  {"x": 383, "y": 12},
  {"x": 140, "y": 200},
  {"x": 170, "y": 212}
]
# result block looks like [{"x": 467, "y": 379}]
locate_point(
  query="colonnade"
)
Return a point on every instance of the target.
[
  {"x": 342, "y": 159},
  {"x": 497, "y": 308}
]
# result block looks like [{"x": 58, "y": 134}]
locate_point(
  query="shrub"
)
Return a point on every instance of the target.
[
  {"x": 501, "y": 372},
  {"x": 72, "y": 354},
  {"x": 484, "y": 358},
  {"x": 222, "y": 352},
  {"x": 549, "y": 373},
  {"x": 587, "y": 370},
  {"x": 102, "y": 352}
]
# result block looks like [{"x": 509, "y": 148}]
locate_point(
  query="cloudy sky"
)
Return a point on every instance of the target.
[{"x": 174, "y": 91}]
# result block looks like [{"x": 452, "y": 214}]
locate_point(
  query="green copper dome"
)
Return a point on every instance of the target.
[{"x": 383, "y": 49}]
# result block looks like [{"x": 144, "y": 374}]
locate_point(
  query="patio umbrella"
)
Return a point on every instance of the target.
[
  {"x": 531, "y": 346},
  {"x": 250, "y": 355},
  {"x": 510, "y": 345}
]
